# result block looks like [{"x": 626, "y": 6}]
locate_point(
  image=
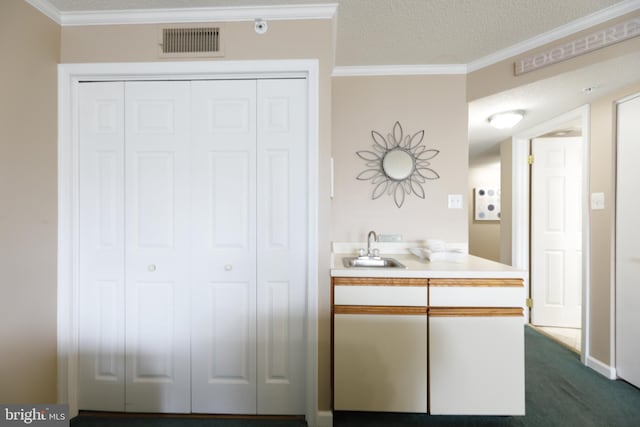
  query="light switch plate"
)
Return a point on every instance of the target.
[
  {"x": 455, "y": 201},
  {"x": 597, "y": 201}
]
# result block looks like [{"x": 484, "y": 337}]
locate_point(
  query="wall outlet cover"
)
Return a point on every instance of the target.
[{"x": 390, "y": 238}]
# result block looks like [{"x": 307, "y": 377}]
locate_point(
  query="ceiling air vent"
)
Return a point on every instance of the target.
[{"x": 194, "y": 41}]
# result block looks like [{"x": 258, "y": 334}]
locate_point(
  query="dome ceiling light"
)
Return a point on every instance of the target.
[{"x": 506, "y": 120}]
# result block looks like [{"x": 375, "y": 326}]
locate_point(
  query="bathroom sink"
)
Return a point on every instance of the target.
[{"x": 369, "y": 262}]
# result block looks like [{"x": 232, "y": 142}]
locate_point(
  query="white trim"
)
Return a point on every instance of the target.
[
  {"x": 520, "y": 206},
  {"x": 558, "y": 33},
  {"x": 601, "y": 368},
  {"x": 188, "y": 14},
  {"x": 69, "y": 76},
  {"x": 324, "y": 419},
  {"x": 399, "y": 70}
]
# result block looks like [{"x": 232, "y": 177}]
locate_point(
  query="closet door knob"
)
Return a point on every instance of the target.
[
  {"x": 151, "y": 267},
  {"x": 228, "y": 267}
]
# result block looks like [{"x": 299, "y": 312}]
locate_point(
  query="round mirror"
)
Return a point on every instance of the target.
[{"x": 398, "y": 164}]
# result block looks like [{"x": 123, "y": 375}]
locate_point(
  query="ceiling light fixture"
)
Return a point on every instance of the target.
[{"x": 506, "y": 120}]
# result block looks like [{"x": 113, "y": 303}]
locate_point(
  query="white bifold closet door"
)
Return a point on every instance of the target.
[
  {"x": 193, "y": 246},
  {"x": 249, "y": 165}
]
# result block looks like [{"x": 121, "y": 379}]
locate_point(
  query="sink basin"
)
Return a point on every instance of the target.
[{"x": 372, "y": 262}]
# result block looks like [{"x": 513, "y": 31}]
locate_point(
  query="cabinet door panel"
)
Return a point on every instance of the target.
[
  {"x": 476, "y": 365},
  {"x": 380, "y": 362}
]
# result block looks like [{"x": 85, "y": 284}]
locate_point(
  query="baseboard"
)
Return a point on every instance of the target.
[
  {"x": 601, "y": 368},
  {"x": 324, "y": 419}
]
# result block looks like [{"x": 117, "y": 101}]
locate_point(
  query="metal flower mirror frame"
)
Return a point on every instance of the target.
[{"x": 398, "y": 165}]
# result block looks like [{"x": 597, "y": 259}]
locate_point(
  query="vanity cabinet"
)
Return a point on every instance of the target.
[
  {"x": 442, "y": 346},
  {"x": 476, "y": 347},
  {"x": 380, "y": 344}
]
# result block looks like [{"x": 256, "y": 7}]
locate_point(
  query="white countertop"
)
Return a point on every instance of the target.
[{"x": 464, "y": 267}]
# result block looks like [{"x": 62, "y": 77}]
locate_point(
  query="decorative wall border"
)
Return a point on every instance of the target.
[{"x": 580, "y": 46}]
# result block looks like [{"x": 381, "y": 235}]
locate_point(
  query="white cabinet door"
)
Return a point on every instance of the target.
[
  {"x": 281, "y": 245},
  {"x": 476, "y": 365},
  {"x": 628, "y": 243},
  {"x": 224, "y": 246},
  {"x": 101, "y": 246},
  {"x": 157, "y": 170},
  {"x": 380, "y": 362}
]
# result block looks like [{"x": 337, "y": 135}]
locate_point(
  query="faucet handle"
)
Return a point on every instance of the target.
[
  {"x": 361, "y": 252},
  {"x": 376, "y": 252}
]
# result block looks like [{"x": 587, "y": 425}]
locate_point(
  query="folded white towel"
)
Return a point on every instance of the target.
[{"x": 452, "y": 255}]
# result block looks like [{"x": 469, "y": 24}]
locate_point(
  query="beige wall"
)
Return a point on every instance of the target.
[
  {"x": 506, "y": 199},
  {"x": 484, "y": 236},
  {"x": 602, "y": 227},
  {"x": 29, "y": 48},
  {"x": 435, "y": 104},
  {"x": 127, "y": 43}
]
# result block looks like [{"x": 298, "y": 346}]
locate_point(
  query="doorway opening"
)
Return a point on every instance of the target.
[
  {"x": 556, "y": 233},
  {"x": 525, "y": 213}
]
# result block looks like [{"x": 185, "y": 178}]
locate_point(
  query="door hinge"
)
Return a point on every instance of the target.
[
  {"x": 529, "y": 302},
  {"x": 530, "y": 159}
]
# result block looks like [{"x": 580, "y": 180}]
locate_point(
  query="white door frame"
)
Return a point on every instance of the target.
[
  {"x": 69, "y": 76},
  {"x": 520, "y": 206}
]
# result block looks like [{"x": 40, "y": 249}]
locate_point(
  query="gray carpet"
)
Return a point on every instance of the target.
[{"x": 560, "y": 392}]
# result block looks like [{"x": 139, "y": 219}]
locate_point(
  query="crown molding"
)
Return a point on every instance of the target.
[
  {"x": 596, "y": 18},
  {"x": 399, "y": 70},
  {"x": 186, "y": 15}
]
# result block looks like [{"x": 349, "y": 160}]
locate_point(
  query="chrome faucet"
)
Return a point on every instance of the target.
[{"x": 375, "y": 239}]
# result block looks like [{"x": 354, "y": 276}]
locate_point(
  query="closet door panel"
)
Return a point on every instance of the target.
[
  {"x": 101, "y": 246},
  {"x": 223, "y": 246},
  {"x": 281, "y": 239},
  {"x": 157, "y": 169}
]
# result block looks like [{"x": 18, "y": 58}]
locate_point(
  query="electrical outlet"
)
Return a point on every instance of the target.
[
  {"x": 455, "y": 201},
  {"x": 389, "y": 237}
]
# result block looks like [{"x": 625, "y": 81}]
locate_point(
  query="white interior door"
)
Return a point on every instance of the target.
[
  {"x": 628, "y": 242},
  {"x": 282, "y": 245},
  {"x": 224, "y": 246},
  {"x": 157, "y": 170},
  {"x": 101, "y": 246},
  {"x": 556, "y": 232}
]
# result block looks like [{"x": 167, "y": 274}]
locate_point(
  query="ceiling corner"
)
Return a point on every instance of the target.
[{"x": 47, "y": 8}]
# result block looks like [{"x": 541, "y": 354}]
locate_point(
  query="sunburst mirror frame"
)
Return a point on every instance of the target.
[{"x": 398, "y": 165}]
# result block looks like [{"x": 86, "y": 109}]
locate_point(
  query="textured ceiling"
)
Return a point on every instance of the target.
[
  {"x": 372, "y": 32},
  {"x": 403, "y": 32}
]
